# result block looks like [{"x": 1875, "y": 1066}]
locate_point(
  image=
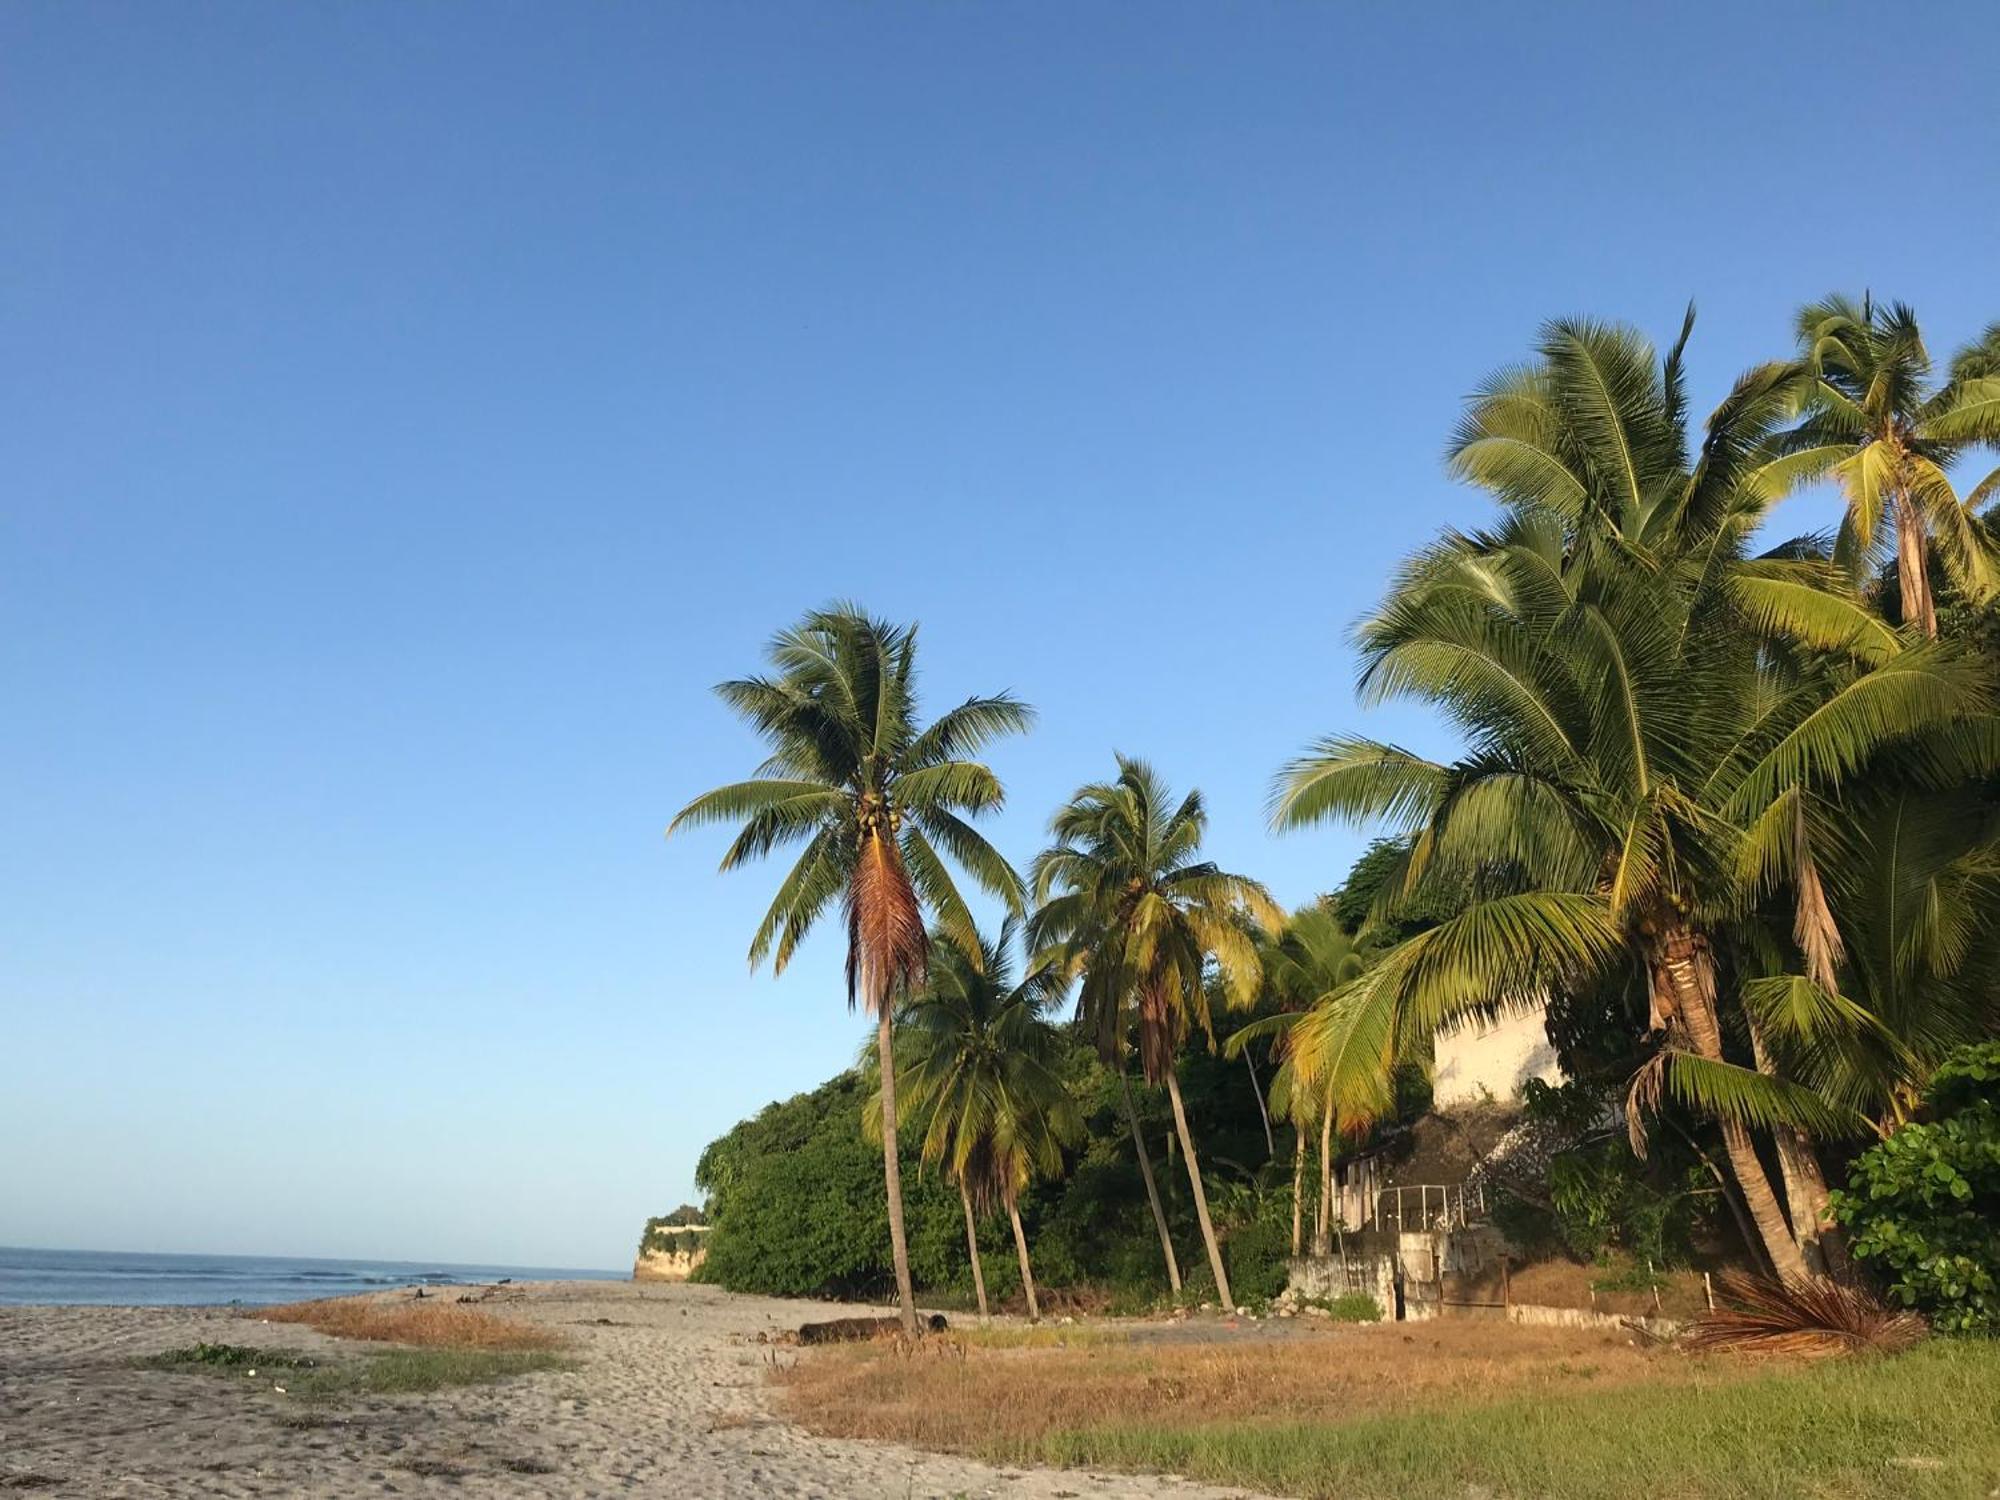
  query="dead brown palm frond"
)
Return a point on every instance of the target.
[
  {"x": 887, "y": 945},
  {"x": 1803, "y": 1320},
  {"x": 1813, "y": 926}
]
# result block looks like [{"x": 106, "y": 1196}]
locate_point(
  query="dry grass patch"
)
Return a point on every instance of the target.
[
  {"x": 1382, "y": 1413},
  {"x": 426, "y": 1325},
  {"x": 1562, "y": 1283},
  {"x": 1005, "y": 1402}
]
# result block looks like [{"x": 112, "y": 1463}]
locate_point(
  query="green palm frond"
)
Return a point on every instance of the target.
[
  {"x": 1357, "y": 779},
  {"x": 977, "y": 857},
  {"x": 1807, "y": 604},
  {"x": 1920, "y": 691},
  {"x": 1723, "y": 1090},
  {"x": 846, "y": 765},
  {"x": 1792, "y": 1008}
]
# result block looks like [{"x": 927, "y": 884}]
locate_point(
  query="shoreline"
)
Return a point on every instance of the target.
[{"x": 668, "y": 1395}]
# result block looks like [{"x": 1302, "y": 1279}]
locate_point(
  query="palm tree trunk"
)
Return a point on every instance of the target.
[
  {"x": 1021, "y": 1249},
  {"x": 1684, "y": 969},
  {"x": 1257, "y": 1093},
  {"x": 1152, "y": 1189},
  {"x": 1913, "y": 576},
  {"x": 1807, "y": 1204},
  {"x": 1727, "y": 1189},
  {"x": 1323, "y": 1224},
  {"x": 1200, "y": 1196},
  {"x": 972, "y": 1245},
  {"x": 892, "y": 1176},
  {"x": 1298, "y": 1189}
]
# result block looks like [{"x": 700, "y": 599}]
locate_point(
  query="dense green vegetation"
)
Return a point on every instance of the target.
[
  {"x": 795, "y": 1194},
  {"x": 1924, "y": 1205},
  {"x": 1730, "y": 810},
  {"x": 674, "y": 1233}
]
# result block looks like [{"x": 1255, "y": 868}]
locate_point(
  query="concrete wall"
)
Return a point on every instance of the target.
[
  {"x": 1478, "y": 1059},
  {"x": 1376, "y": 1260}
]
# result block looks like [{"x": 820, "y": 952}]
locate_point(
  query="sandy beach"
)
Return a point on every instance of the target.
[{"x": 669, "y": 1397}]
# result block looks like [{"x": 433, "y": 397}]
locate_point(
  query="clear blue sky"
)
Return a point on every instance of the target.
[{"x": 408, "y": 411}]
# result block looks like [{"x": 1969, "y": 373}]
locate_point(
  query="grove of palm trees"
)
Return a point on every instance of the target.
[{"x": 1724, "y": 803}]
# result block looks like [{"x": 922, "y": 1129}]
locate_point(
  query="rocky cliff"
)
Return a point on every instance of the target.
[{"x": 671, "y": 1248}]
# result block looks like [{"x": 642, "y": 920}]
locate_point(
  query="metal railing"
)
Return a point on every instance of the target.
[{"x": 1427, "y": 1206}]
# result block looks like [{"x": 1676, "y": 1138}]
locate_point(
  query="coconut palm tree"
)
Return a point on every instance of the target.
[
  {"x": 979, "y": 1062},
  {"x": 1874, "y": 419},
  {"x": 1125, "y": 899},
  {"x": 880, "y": 806},
  {"x": 1306, "y": 966},
  {"x": 1637, "y": 769}
]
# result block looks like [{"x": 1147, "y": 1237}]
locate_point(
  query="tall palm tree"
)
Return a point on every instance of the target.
[
  {"x": 1125, "y": 898},
  {"x": 1306, "y": 967},
  {"x": 1874, "y": 419},
  {"x": 1637, "y": 771},
  {"x": 880, "y": 804},
  {"x": 979, "y": 1062}
]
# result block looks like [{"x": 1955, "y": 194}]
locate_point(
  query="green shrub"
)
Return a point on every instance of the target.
[
  {"x": 1348, "y": 1307},
  {"x": 799, "y": 1209},
  {"x": 1601, "y": 1197},
  {"x": 1355, "y": 1307},
  {"x": 1924, "y": 1205}
]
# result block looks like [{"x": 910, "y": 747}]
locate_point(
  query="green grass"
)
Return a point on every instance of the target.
[
  {"x": 387, "y": 1372},
  {"x": 405, "y": 1372},
  {"x": 225, "y": 1357},
  {"x": 1924, "y": 1424}
]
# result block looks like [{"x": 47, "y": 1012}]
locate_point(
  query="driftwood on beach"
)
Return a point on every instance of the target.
[{"x": 858, "y": 1330}]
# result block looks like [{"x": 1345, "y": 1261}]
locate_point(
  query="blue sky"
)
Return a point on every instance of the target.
[{"x": 407, "y": 413}]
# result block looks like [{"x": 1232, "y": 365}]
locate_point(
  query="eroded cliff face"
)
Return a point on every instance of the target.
[
  {"x": 672, "y": 1246},
  {"x": 667, "y": 1265}
]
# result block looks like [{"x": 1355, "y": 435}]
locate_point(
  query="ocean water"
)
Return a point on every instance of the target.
[{"x": 119, "y": 1279}]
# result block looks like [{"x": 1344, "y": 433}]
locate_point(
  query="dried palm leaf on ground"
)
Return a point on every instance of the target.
[{"x": 1803, "y": 1319}]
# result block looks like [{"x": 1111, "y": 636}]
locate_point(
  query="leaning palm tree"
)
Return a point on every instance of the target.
[
  {"x": 880, "y": 805},
  {"x": 1874, "y": 419},
  {"x": 1637, "y": 770},
  {"x": 979, "y": 1062},
  {"x": 1124, "y": 898}
]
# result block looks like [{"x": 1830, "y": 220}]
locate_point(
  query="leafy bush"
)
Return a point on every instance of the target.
[
  {"x": 1355, "y": 1307},
  {"x": 1600, "y": 1197},
  {"x": 1924, "y": 1205},
  {"x": 796, "y": 1198},
  {"x": 1258, "y": 1251}
]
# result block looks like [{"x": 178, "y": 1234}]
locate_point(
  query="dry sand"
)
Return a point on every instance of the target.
[{"x": 669, "y": 1398}]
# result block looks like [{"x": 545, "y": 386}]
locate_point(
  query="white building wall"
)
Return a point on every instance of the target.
[{"x": 1478, "y": 1059}]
